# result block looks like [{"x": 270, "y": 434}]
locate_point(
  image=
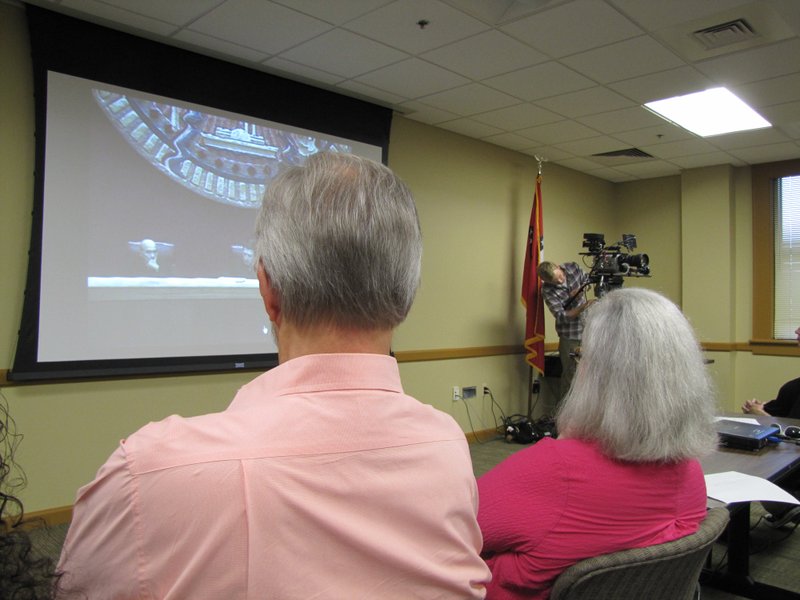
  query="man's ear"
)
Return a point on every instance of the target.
[{"x": 272, "y": 302}]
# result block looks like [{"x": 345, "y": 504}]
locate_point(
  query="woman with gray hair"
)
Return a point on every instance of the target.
[{"x": 624, "y": 472}]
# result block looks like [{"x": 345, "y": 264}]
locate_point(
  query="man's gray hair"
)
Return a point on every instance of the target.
[
  {"x": 339, "y": 238},
  {"x": 641, "y": 389}
]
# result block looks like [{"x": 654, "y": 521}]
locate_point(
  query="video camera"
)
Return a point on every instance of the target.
[{"x": 612, "y": 263}]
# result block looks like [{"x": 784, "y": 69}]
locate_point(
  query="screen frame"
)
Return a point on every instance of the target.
[{"x": 74, "y": 47}]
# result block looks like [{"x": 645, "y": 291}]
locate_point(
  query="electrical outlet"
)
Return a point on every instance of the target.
[
  {"x": 469, "y": 391},
  {"x": 456, "y": 393},
  {"x": 485, "y": 389}
]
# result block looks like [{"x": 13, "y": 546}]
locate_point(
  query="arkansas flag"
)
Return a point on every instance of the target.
[{"x": 532, "y": 286}]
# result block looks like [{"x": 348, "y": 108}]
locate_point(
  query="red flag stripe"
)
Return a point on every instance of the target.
[{"x": 531, "y": 285}]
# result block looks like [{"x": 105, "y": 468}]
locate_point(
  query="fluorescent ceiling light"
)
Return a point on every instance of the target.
[{"x": 712, "y": 112}]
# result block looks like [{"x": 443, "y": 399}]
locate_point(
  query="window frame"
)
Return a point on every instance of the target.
[{"x": 762, "y": 341}]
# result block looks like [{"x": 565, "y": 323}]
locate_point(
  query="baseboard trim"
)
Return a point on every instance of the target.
[
  {"x": 477, "y": 437},
  {"x": 49, "y": 517}
]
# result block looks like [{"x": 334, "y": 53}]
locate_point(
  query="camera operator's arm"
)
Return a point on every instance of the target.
[{"x": 572, "y": 313}]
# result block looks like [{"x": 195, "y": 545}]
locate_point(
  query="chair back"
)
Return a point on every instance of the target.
[{"x": 668, "y": 571}]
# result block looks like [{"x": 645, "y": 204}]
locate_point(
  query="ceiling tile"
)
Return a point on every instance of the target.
[
  {"x": 744, "y": 139},
  {"x": 585, "y": 102},
  {"x": 782, "y": 114},
  {"x": 427, "y": 114},
  {"x": 664, "y": 84},
  {"x": 243, "y": 21},
  {"x": 343, "y": 53},
  {"x": 777, "y": 90},
  {"x": 754, "y": 65},
  {"x": 708, "y": 159},
  {"x": 625, "y": 119},
  {"x": 219, "y": 48},
  {"x": 509, "y": 140},
  {"x": 302, "y": 72},
  {"x": 630, "y": 58},
  {"x": 650, "y": 168},
  {"x": 540, "y": 81},
  {"x": 470, "y": 99},
  {"x": 562, "y": 131},
  {"x": 176, "y": 13},
  {"x": 127, "y": 18},
  {"x": 611, "y": 175},
  {"x": 589, "y": 146},
  {"x": 495, "y": 12},
  {"x": 558, "y": 78},
  {"x": 485, "y": 54},
  {"x": 412, "y": 78},
  {"x": 656, "y": 15},
  {"x": 470, "y": 128},
  {"x": 368, "y": 92},
  {"x": 573, "y": 27},
  {"x": 768, "y": 153},
  {"x": 688, "y": 147},
  {"x": 579, "y": 164},
  {"x": 517, "y": 117},
  {"x": 396, "y": 24},
  {"x": 338, "y": 12},
  {"x": 548, "y": 153},
  {"x": 648, "y": 136}
]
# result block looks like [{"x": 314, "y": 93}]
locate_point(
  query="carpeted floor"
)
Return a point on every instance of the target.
[{"x": 775, "y": 558}]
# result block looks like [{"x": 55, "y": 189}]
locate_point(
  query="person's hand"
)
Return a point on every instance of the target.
[{"x": 754, "y": 407}]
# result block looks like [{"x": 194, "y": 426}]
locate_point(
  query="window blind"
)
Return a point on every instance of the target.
[{"x": 786, "y": 220}]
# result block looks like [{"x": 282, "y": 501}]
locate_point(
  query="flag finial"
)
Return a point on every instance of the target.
[{"x": 540, "y": 160}]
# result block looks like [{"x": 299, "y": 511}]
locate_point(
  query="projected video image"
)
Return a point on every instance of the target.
[
  {"x": 220, "y": 158},
  {"x": 150, "y": 208},
  {"x": 224, "y": 159}
]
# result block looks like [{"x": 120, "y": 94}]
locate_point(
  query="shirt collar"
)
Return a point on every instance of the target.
[{"x": 324, "y": 372}]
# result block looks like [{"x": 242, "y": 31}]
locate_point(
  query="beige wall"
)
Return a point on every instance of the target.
[
  {"x": 651, "y": 210},
  {"x": 474, "y": 202}
]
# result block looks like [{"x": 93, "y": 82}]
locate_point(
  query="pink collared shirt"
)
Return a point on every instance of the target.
[{"x": 321, "y": 480}]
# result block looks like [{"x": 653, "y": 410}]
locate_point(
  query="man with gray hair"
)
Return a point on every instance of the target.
[{"x": 323, "y": 478}]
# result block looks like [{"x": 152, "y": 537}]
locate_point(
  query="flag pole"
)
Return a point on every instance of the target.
[{"x": 540, "y": 160}]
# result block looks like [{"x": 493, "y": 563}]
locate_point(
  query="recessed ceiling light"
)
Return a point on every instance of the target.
[{"x": 712, "y": 112}]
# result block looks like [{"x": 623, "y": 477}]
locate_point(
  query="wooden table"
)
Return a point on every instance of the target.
[{"x": 777, "y": 463}]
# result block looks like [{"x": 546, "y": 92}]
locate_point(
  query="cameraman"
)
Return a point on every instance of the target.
[{"x": 563, "y": 289}]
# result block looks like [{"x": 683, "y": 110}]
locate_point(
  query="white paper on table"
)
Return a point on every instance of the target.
[
  {"x": 733, "y": 486},
  {"x": 749, "y": 420}
]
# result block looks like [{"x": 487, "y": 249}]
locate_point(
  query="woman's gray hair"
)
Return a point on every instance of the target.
[
  {"x": 339, "y": 238},
  {"x": 641, "y": 389}
]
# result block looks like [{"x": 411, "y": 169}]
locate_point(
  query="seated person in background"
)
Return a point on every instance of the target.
[
  {"x": 323, "y": 479},
  {"x": 786, "y": 404},
  {"x": 624, "y": 471},
  {"x": 23, "y": 573}
]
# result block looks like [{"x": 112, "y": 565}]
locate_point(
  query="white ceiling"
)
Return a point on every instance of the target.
[{"x": 559, "y": 79}]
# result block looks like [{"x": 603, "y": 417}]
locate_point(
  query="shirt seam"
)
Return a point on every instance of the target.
[
  {"x": 293, "y": 454},
  {"x": 137, "y": 527}
]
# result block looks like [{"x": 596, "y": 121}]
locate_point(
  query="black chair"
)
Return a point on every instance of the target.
[{"x": 668, "y": 571}]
